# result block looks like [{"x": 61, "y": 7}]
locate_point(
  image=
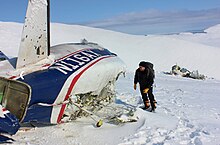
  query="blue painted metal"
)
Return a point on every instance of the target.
[
  {"x": 5, "y": 139},
  {"x": 9, "y": 124}
]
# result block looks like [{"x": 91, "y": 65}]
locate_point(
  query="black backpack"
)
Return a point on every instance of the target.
[{"x": 150, "y": 68}]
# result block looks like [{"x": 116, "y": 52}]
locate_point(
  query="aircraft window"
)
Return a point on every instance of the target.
[{"x": 2, "y": 58}]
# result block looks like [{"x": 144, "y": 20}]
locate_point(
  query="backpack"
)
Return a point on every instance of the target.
[{"x": 150, "y": 70}]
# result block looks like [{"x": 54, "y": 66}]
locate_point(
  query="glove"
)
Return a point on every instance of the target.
[
  {"x": 146, "y": 90},
  {"x": 135, "y": 86}
]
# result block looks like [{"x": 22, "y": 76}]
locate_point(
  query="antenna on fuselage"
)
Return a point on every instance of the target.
[{"x": 35, "y": 40}]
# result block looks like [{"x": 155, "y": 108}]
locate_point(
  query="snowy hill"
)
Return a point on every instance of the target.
[
  {"x": 188, "y": 111},
  {"x": 164, "y": 51},
  {"x": 209, "y": 36}
]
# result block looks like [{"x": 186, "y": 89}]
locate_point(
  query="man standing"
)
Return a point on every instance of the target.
[{"x": 144, "y": 75}]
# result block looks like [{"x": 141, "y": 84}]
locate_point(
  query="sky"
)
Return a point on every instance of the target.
[{"x": 128, "y": 16}]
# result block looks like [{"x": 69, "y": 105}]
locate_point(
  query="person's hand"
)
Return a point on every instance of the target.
[
  {"x": 135, "y": 86},
  {"x": 146, "y": 90}
]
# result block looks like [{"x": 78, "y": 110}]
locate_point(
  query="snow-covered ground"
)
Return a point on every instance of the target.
[
  {"x": 188, "y": 110},
  {"x": 188, "y": 113}
]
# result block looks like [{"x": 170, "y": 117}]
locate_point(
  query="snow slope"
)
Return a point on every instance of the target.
[
  {"x": 162, "y": 50},
  {"x": 188, "y": 110},
  {"x": 210, "y": 36}
]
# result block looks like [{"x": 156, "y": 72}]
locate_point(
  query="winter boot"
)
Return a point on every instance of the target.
[
  {"x": 147, "y": 104},
  {"x": 155, "y": 104}
]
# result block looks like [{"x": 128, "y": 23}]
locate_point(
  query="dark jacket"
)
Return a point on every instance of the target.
[{"x": 144, "y": 78}]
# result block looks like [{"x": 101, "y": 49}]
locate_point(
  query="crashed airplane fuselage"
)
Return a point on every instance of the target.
[{"x": 37, "y": 85}]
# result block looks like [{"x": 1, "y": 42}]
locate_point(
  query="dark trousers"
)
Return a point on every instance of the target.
[{"x": 149, "y": 95}]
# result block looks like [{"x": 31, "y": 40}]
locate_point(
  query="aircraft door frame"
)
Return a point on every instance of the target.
[{"x": 15, "y": 96}]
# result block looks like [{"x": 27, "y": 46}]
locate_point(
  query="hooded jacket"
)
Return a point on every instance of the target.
[{"x": 144, "y": 78}]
